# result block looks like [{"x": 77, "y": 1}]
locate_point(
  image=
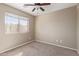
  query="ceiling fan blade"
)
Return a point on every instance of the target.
[
  {"x": 29, "y": 5},
  {"x": 33, "y": 10},
  {"x": 42, "y": 9},
  {"x": 44, "y": 4}
]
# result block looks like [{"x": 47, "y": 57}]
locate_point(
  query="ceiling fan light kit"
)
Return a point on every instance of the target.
[{"x": 39, "y": 6}]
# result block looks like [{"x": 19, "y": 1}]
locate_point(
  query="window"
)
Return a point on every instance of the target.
[
  {"x": 23, "y": 26},
  {"x": 16, "y": 24}
]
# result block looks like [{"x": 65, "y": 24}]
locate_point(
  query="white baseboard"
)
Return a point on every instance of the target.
[
  {"x": 56, "y": 45},
  {"x": 16, "y": 46}
]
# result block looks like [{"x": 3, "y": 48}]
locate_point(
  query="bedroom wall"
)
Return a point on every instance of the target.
[
  {"x": 78, "y": 28},
  {"x": 11, "y": 40},
  {"x": 58, "y": 28}
]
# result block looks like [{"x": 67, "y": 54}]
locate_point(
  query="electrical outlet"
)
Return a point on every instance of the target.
[
  {"x": 60, "y": 41},
  {"x": 56, "y": 40}
]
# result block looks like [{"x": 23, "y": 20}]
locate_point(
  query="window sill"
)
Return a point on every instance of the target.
[{"x": 16, "y": 32}]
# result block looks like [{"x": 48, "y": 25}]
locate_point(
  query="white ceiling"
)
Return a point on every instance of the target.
[{"x": 48, "y": 9}]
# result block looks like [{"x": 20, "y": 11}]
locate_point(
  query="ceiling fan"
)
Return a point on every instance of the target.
[{"x": 38, "y": 4}]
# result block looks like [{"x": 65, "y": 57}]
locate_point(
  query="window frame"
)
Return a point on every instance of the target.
[{"x": 19, "y": 18}]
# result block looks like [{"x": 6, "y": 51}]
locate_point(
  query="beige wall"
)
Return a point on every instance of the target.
[
  {"x": 11, "y": 40},
  {"x": 78, "y": 28},
  {"x": 58, "y": 26}
]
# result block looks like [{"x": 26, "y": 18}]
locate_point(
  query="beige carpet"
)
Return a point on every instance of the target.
[{"x": 39, "y": 49}]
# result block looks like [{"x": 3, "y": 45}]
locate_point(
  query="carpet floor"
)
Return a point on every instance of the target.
[{"x": 39, "y": 49}]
